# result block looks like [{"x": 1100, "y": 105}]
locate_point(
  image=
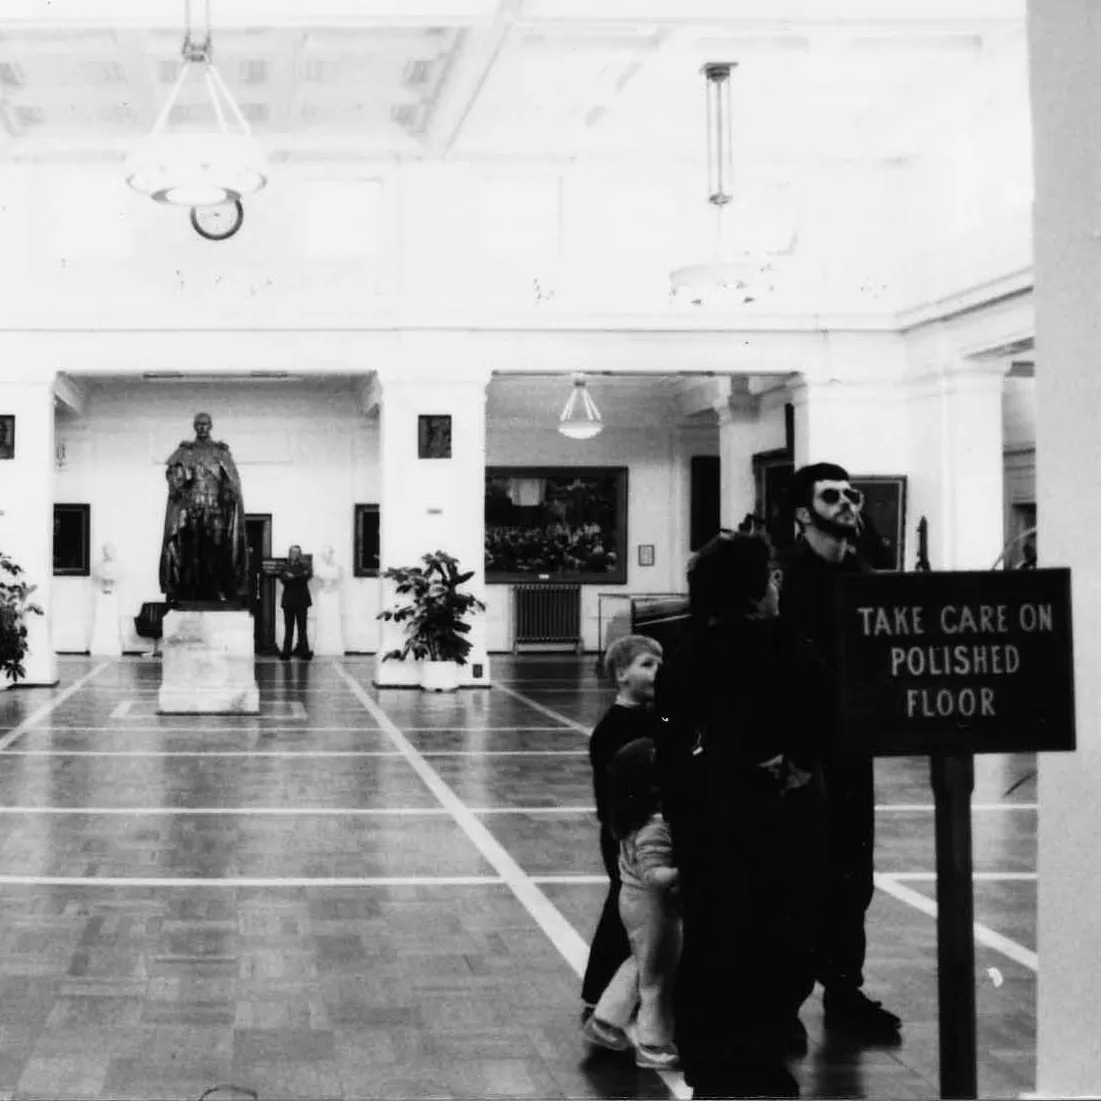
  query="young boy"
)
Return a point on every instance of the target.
[{"x": 632, "y": 663}]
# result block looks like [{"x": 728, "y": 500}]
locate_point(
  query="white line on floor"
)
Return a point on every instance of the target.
[
  {"x": 570, "y": 945},
  {"x": 928, "y": 808},
  {"x": 306, "y": 753},
  {"x": 49, "y": 707},
  {"x": 321, "y": 753},
  {"x": 504, "y": 752},
  {"x": 247, "y": 724},
  {"x": 532, "y": 810},
  {"x": 978, "y": 877},
  {"x": 244, "y": 726},
  {"x": 570, "y": 880},
  {"x": 121, "y": 709},
  {"x": 548, "y": 711},
  {"x": 983, "y": 934},
  {"x": 255, "y": 812},
  {"x": 252, "y": 881}
]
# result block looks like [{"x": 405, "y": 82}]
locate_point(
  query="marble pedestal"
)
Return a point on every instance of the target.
[
  {"x": 329, "y": 634},
  {"x": 106, "y": 637},
  {"x": 208, "y": 664}
]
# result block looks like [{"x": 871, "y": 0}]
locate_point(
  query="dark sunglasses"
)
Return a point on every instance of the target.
[{"x": 832, "y": 496}]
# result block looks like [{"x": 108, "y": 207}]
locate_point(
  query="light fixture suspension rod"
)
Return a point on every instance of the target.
[
  {"x": 221, "y": 84},
  {"x": 162, "y": 118},
  {"x": 212, "y": 91},
  {"x": 720, "y": 170},
  {"x": 191, "y": 50}
]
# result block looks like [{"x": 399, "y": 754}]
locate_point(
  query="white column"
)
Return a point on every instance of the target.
[
  {"x": 27, "y": 504},
  {"x": 957, "y": 463},
  {"x": 736, "y": 417},
  {"x": 1065, "y": 78},
  {"x": 427, "y": 505},
  {"x": 856, "y": 423}
]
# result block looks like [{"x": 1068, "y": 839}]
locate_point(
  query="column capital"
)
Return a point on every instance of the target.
[
  {"x": 805, "y": 391},
  {"x": 444, "y": 373},
  {"x": 972, "y": 375}
]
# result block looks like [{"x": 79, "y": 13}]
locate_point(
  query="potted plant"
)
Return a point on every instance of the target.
[
  {"x": 435, "y": 615},
  {"x": 15, "y": 606}
]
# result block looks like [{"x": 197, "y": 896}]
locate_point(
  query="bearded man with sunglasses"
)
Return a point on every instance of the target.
[{"x": 827, "y": 508}]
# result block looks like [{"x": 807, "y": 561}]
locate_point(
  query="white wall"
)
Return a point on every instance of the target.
[
  {"x": 305, "y": 454},
  {"x": 340, "y": 242}
]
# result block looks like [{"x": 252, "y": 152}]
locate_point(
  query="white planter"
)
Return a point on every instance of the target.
[{"x": 439, "y": 676}]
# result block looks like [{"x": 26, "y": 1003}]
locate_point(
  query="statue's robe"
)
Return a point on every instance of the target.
[{"x": 204, "y": 553}]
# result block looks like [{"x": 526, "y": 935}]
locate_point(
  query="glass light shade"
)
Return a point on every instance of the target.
[
  {"x": 197, "y": 169},
  {"x": 580, "y": 419}
]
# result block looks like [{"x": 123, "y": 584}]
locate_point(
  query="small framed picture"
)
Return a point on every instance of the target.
[
  {"x": 646, "y": 554},
  {"x": 7, "y": 435},
  {"x": 434, "y": 436}
]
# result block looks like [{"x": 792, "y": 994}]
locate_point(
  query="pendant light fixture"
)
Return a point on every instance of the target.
[
  {"x": 580, "y": 419},
  {"x": 199, "y": 168},
  {"x": 729, "y": 275}
]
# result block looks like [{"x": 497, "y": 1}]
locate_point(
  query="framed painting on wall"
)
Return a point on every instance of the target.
[
  {"x": 7, "y": 435},
  {"x": 365, "y": 554},
  {"x": 72, "y": 549},
  {"x": 883, "y": 540},
  {"x": 434, "y": 436},
  {"x": 566, "y": 524}
]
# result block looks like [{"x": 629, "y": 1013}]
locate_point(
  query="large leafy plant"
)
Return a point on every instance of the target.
[
  {"x": 434, "y": 611},
  {"x": 15, "y": 606}
]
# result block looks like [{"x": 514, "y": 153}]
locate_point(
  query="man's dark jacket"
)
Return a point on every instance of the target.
[{"x": 296, "y": 586}]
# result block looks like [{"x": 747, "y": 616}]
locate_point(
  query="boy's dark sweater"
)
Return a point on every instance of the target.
[{"x": 618, "y": 726}]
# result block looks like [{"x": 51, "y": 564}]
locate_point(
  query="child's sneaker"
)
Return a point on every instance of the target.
[
  {"x": 664, "y": 1057},
  {"x": 602, "y": 1034}
]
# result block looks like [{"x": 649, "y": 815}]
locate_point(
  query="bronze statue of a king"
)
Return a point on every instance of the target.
[{"x": 204, "y": 555}]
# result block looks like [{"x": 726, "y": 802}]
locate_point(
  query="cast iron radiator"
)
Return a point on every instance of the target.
[{"x": 546, "y": 614}]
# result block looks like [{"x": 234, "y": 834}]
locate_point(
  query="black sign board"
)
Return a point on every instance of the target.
[
  {"x": 956, "y": 663},
  {"x": 273, "y": 567}
]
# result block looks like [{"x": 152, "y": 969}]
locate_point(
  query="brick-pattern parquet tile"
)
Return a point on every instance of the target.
[{"x": 406, "y": 990}]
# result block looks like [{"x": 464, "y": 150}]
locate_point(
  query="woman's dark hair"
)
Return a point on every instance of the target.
[
  {"x": 632, "y": 781},
  {"x": 729, "y": 572}
]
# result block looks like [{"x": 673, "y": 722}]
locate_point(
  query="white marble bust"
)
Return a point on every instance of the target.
[
  {"x": 107, "y": 569},
  {"x": 327, "y": 572}
]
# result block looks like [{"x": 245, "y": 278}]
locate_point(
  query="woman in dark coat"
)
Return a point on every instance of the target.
[{"x": 742, "y": 700}]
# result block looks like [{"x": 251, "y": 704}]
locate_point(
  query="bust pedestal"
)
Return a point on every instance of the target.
[
  {"x": 106, "y": 637},
  {"x": 208, "y": 663},
  {"x": 329, "y": 641},
  {"x": 328, "y": 611}
]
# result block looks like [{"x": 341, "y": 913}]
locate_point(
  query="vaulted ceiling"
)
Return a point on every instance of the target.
[{"x": 493, "y": 79}]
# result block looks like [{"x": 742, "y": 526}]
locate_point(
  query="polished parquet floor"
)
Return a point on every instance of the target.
[{"x": 387, "y": 894}]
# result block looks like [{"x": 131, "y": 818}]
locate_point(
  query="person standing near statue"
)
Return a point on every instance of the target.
[
  {"x": 295, "y": 576},
  {"x": 204, "y": 556}
]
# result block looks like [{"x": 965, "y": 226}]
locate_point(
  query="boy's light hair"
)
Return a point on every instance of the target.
[{"x": 624, "y": 650}]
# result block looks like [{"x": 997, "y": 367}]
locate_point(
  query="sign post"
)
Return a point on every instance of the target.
[
  {"x": 953, "y": 777},
  {"x": 947, "y": 665}
]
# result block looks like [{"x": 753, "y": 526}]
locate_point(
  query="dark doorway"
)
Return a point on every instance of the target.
[
  {"x": 261, "y": 587},
  {"x": 705, "y": 500}
]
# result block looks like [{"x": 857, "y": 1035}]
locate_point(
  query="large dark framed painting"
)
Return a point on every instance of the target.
[
  {"x": 365, "y": 553},
  {"x": 556, "y": 523},
  {"x": 72, "y": 549}
]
